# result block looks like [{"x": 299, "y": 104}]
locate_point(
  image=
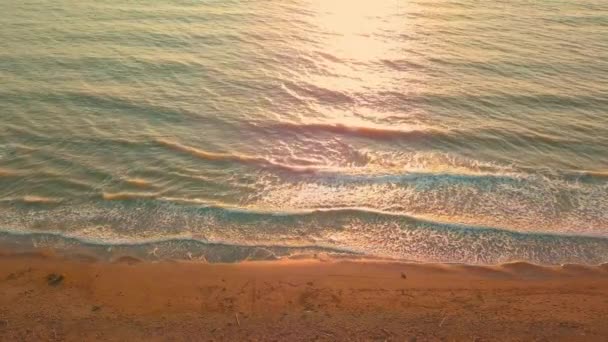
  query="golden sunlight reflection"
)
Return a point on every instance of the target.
[
  {"x": 355, "y": 28},
  {"x": 357, "y": 40}
]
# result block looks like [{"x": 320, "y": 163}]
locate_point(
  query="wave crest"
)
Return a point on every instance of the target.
[
  {"x": 238, "y": 158},
  {"x": 361, "y": 131}
]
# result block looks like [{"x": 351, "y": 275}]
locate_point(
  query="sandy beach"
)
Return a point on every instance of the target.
[{"x": 47, "y": 297}]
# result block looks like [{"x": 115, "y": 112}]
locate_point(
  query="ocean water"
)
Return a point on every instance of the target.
[{"x": 429, "y": 130}]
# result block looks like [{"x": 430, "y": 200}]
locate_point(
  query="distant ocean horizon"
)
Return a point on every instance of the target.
[{"x": 224, "y": 130}]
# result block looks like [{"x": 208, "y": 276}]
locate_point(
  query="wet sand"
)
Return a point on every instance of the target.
[{"x": 46, "y": 297}]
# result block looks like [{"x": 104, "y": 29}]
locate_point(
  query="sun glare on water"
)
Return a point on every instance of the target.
[{"x": 355, "y": 39}]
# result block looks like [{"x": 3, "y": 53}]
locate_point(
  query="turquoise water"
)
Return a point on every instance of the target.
[{"x": 456, "y": 131}]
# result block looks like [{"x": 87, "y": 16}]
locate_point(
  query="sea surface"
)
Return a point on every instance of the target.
[{"x": 430, "y": 130}]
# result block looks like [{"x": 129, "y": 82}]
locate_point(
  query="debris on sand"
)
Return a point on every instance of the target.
[
  {"x": 54, "y": 279},
  {"x": 403, "y": 275}
]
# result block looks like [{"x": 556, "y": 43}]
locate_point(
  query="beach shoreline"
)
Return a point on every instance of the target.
[{"x": 49, "y": 297}]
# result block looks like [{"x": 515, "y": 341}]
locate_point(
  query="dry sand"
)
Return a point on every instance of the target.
[{"x": 44, "y": 297}]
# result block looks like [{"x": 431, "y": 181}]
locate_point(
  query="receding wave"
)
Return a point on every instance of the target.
[
  {"x": 162, "y": 248},
  {"x": 361, "y": 230},
  {"x": 519, "y": 201}
]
